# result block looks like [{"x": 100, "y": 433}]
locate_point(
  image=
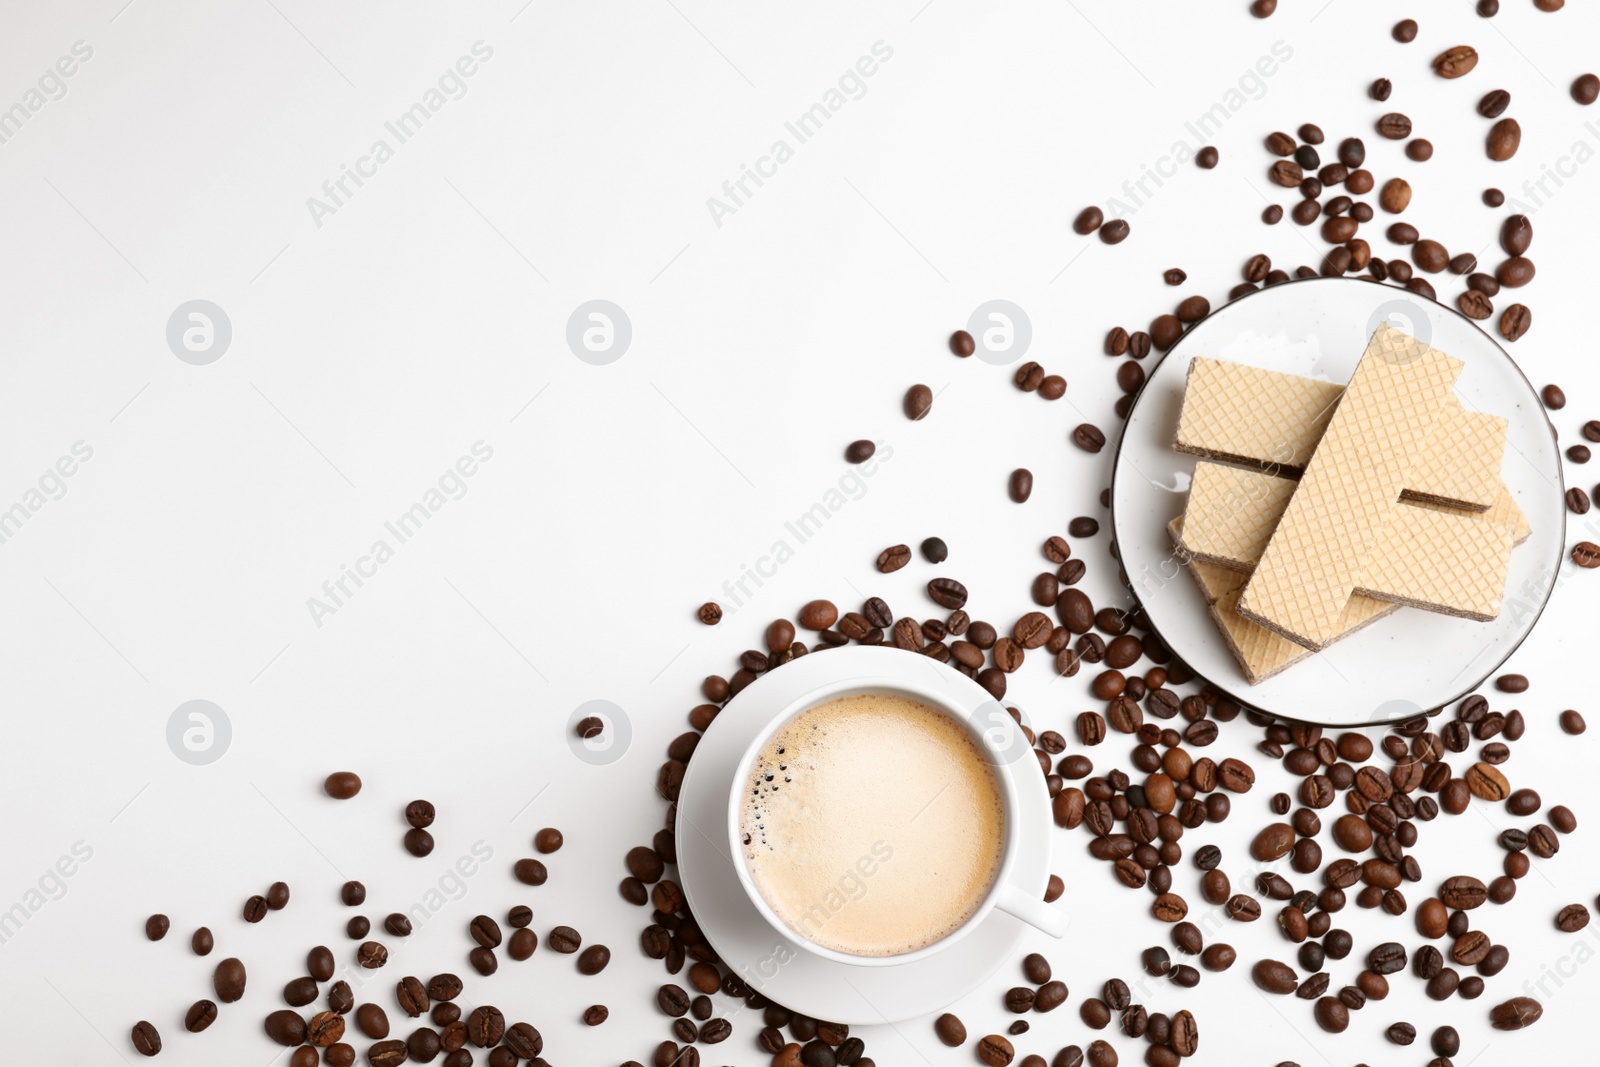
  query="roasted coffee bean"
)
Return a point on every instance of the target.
[
  {"x": 418, "y": 842},
  {"x": 229, "y": 980},
  {"x": 146, "y": 1039},
  {"x": 1455, "y": 62},
  {"x": 1088, "y": 221},
  {"x": 593, "y": 959},
  {"x": 1516, "y": 1013},
  {"x": 1505, "y": 137},
  {"x": 286, "y": 1027},
  {"x": 1542, "y": 842},
  {"x": 342, "y": 785},
  {"x": 566, "y": 940},
  {"x": 325, "y": 1028},
  {"x": 1394, "y": 126},
  {"x": 1115, "y": 231},
  {"x": 1586, "y": 554},
  {"x": 201, "y": 1014},
  {"x": 1586, "y": 89},
  {"x": 1088, "y": 437},
  {"x": 1387, "y": 958},
  {"x": 993, "y": 1051},
  {"x": 373, "y": 1021},
  {"x": 1273, "y": 977},
  {"x": 1332, "y": 1015},
  {"x": 917, "y": 401},
  {"x": 1486, "y": 782}
]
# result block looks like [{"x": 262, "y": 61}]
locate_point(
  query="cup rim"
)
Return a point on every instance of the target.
[{"x": 940, "y": 702}]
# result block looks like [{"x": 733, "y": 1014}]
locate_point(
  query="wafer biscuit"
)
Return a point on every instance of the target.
[
  {"x": 1455, "y": 564},
  {"x": 1259, "y": 652},
  {"x": 1350, "y": 489},
  {"x": 1439, "y": 560},
  {"x": 1234, "y": 413}
]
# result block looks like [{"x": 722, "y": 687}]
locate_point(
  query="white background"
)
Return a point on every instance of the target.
[{"x": 371, "y": 352}]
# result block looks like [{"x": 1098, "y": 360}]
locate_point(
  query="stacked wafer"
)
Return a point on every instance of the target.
[{"x": 1318, "y": 509}]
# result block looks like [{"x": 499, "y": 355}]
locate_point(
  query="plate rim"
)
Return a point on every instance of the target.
[{"x": 1228, "y": 689}]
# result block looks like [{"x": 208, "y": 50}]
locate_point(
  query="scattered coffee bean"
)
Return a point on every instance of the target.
[
  {"x": 228, "y": 980},
  {"x": 146, "y": 1039},
  {"x": 1020, "y": 486},
  {"x": 342, "y": 785},
  {"x": 201, "y": 1014},
  {"x": 918, "y": 399},
  {"x": 1505, "y": 137}
]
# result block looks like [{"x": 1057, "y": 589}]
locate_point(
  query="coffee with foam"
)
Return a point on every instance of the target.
[{"x": 873, "y": 825}]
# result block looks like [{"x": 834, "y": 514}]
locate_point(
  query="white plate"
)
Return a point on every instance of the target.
[
  {"x": 799, "y": 980},
  {"x": 1412, "y": 660}
]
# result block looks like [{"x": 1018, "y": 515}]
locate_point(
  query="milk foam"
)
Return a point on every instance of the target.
[{"x": 873, "y": 825}]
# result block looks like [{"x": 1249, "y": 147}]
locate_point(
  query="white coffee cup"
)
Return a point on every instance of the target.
[{"x": 999, "y": 738}]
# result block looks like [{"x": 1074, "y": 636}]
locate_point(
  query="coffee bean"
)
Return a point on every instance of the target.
[
  {"x": 342, "y": 785},
  {"x": 1586, "y": 554},
  {"x": 1486, "y": 782},
  {"x": 299, "y": 992},
  {"x": 1115, "y": 231},
  {"x": 486, "y": 1026},
  {"x": 994, "y": 1051},
  {"x": 146, "y": 1039},
  {"x": 371, "y": 955},
  {"x": 1493, "y": 197},
  {"x": 418, "y": 842},
  {"x": 255, "y": 909},
  {"x": 1586, "y": 89},
  {"x": 1474, "y": 305},
  {"x": 286, "y": 1028},
  {"x": 1088, "y": 437},
  {"x": 397, "y": 924},
  {"x": 593, "y": 959},
  {"x": 918, "y": 399},
  {"x": 1273, "y": 977},
  {"x": 1286, "y": 173},
  {"x": 530, "y": 872},
  {"x": 1394, "y": 126},
  {"x": 228, "y": 980},
  {"x": 1088, "y": 221},
  {"x": 1515, "y": 321},
  {"x": 1516, "y": 1013},
  {"x": 1455, "y": 62},
  {"x": 201, "y": 1014},
  {"x": 1430, "y": 256},
  {"x": 1020, "y": 485},
  {"x": 1206, "y": 158},
  {"x": 1505, "y": 137},
  {"x": 710, "y": 613},
  {"x": 1169, "y": 908},
  {"x": 1218, "y": 957},
  {"x": 387, "y": 1053}
]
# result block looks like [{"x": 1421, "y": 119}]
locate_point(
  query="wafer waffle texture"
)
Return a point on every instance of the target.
[
  {"x": 1378, "y": 433},
  {"x": 1259, "y": 652},
  {"x": 1235, "y": 413},
  {"x": 1438, "y": 559}
]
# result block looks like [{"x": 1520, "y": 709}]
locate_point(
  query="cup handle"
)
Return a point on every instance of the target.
[{"x": 1031, "y": 910}]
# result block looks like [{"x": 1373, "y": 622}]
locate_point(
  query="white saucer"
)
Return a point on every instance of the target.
[
  {"x": 1412, "y": 660},
  {"x": 790, "y": 976}
]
